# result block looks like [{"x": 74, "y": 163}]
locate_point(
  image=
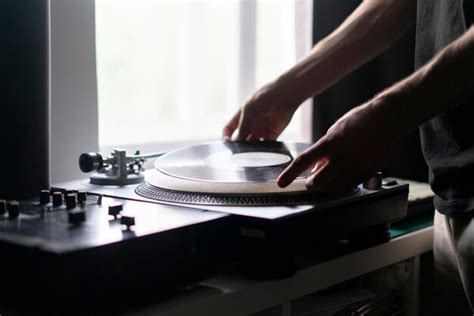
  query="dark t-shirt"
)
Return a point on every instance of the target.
[{"x": 447, "y": 140}]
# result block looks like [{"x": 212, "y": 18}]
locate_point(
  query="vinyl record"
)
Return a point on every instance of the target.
[{"x": 229, "y": 168}]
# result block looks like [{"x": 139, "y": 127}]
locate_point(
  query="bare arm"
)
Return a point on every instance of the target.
[
  {"x": 360, "y": 143},
  {"x": 370, "y": 29},
  {"x": 440, "y": 85}
]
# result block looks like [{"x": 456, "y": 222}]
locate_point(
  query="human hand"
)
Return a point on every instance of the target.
[
  {"x": 264, "y": 116},
  {"x": 353, "y": 149}
]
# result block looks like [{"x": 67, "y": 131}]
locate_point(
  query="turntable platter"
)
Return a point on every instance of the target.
[
  {"x": 230, "y": 161},
  {"x": 229, "y": 168},
  {"x": 230, "y": 173}
]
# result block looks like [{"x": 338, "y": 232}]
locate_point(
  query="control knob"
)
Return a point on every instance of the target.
[
  {"x": 115, "y": 209},
  {"x": 374, "y": 183},
  {"x": 13, "y": 209},
  {"x": 57, "y": 199},
  {"x": 76, "y": 217},
  {"x": 128, "y": 221},
  {"x": 81, "y": 197},
  {"x": 44, "y": 197},
  {"x": 70, "y": 201},
  {"x": 3, "y": 207}
]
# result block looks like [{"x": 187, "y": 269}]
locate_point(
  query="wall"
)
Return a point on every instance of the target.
[{"x": 74, "y": 118}]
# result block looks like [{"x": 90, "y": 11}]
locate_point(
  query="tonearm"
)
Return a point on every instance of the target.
[{"x": 116, "y": 169}]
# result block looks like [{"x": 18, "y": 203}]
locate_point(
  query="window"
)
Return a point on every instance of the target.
[
  {"x": 153, "y": 84},
  {"x": 171, "y": 71}
]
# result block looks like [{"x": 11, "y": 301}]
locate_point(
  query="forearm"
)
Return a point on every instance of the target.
[
  {"x": 369, "y": 30},
  {"x": 443, "y": 83}
]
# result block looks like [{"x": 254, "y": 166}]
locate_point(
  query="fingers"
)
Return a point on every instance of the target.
[
  {"x": 322, "y": 180},
  {"x": 334, "y": 178},
  {"x": 230, "y": 128},
  {"x": 319, "y": 165},
  {"x": 304, "y": 161},
  {"x": 245, "y": 127},
  {"x": 240, "y": 122}
]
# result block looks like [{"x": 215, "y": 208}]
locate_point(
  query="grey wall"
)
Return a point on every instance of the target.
[{"x": 74, "y": 117}]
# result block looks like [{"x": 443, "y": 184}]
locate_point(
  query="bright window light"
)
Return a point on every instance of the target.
[{"x": 171, "y": 71}]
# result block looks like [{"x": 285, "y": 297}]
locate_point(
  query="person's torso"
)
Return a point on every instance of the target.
[{"x": 447, "y": 140}]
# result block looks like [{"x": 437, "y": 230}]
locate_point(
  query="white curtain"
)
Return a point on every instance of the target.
[{"x": 170, "y": 71}]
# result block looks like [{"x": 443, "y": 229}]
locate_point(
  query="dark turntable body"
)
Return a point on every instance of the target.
[{"x": 200, "y": 210}]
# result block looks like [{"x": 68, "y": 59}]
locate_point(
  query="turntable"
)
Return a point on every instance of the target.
[
  {"x": 200, "y": 209},
  {"x": 231, "y": 177},
  {"x": 228, "y": 174},
  {"x": 239, "y": 179}
]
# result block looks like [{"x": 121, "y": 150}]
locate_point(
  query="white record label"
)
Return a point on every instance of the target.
[
  {"x": 229, "y": 161},
  {"x": 259, "y": 159}
]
